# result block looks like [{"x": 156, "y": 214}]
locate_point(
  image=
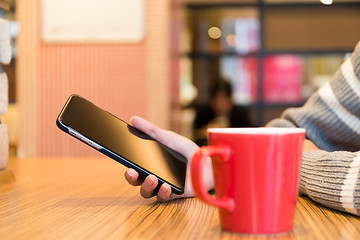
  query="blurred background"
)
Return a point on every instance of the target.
[{"x": 161, "y": 60}]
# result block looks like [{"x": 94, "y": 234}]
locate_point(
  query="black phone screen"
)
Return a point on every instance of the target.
[{"x": 128, "y": 143}]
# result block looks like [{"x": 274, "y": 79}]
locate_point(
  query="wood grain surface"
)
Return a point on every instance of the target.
[{"x": 88, "y": 198}]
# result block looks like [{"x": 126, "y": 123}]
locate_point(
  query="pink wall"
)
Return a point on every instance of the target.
[{"x": 121, "y": 78}]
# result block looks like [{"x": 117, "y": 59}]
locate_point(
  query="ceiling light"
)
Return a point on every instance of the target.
[{"x": 326, "y": 2}]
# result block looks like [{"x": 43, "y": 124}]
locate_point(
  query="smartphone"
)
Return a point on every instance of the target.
[{"x": 122, "y": 142}]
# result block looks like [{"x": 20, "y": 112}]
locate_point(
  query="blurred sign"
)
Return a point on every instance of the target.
[{"x": 93, "y": 21}]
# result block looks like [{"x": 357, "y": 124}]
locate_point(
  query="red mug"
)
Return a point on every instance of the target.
[{"x": 256, "y": 173}]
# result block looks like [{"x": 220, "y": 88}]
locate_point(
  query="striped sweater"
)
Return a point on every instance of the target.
[{"x": 331, "y": 117}]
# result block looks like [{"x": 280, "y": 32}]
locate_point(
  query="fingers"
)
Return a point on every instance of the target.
[
  {"x": 148, "y": 189},
  {"x": 171, "y": 139},
  {"x": 164, "y": 193},
  {"x": 148, "y": 186},
  {"x": 132, "y": 177},
  {"x": 144, "y": 126}
]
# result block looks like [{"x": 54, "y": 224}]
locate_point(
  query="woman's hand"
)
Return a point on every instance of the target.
[
  {"x": 180, "y": 144},
  {"x": 309, "y": 146}
]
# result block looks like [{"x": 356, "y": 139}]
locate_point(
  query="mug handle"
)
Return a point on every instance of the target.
[{"x": 197, "y": 165}]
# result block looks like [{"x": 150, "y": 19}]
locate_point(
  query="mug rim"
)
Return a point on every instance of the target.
[{"x": 257, "y": 130}]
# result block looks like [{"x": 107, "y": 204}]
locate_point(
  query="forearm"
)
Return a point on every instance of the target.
[
  {"x": 331, "y": 118},
  {"x": 329, "y": 178},
  {"x": 332, "y": 179}
]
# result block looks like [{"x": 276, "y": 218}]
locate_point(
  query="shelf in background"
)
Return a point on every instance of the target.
[{"x": 256, "y": 54}]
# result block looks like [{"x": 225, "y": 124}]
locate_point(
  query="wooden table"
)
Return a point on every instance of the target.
[{"x": 88, "y": 198}]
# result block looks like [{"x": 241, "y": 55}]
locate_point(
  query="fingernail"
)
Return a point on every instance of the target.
[{"x": 152, "y": 181}]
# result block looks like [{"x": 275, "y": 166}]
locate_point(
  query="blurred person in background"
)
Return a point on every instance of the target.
[{"x": 219, "y": 113}]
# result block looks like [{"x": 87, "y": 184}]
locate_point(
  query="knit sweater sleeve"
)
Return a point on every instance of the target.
[
  {"x": 332, "y": 179},
  {"x": 331, "y": 118}
]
